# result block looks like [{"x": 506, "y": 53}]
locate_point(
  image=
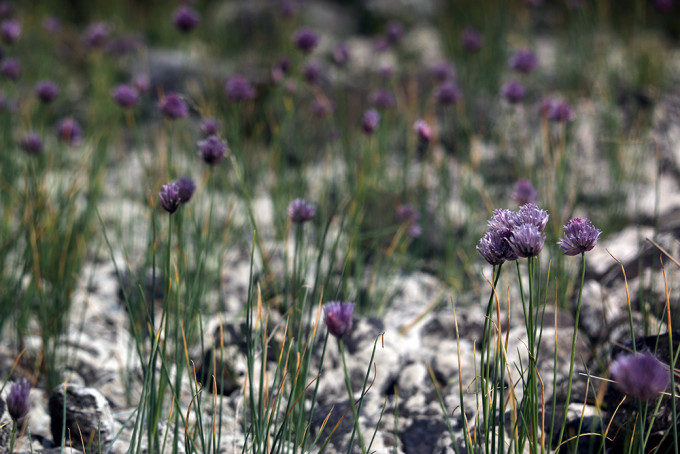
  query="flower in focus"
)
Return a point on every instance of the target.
[
  {"x": 526, "y": 240},
  {"x": 126, "y": 96},
  {"x": 170, "y": 197},
  {"x": 338, "y": 317},
  {"x": 423, "y": 130},
  {"x": 186, "y": 188},
  {"x": 494, "y": 247},
  {"x": 96, "y": 35},
  {"x": 11, "y": 68},
  {"x": 370, "y": 120},
  {"x": 299, "y": 211},
  {"x": 639, "y": 375},
  {"x": 238, "y": 88},
  {"x": 529, "y": 213},
  {"x": 447, "y": 94},
  {"x": 69, "y": 131},
  {"x": 10, "y": 30},
  {"x": 523, "y": 61},
  {"x": 579, "y": 236},
  {"x": 46, "y": 91},
  {"x": 383, "y": 99},
  {"x": 185, "y": 19},
  {"x": 513, "y": 91},
  {"x": 524, "y": 192},
  {"x": 409, "y": 216},
  {"x": 31, "y": 143},
  {"x": 173, "y": 107},
  {"x": 19, "y": 399},
  {"x": 212, "y": 150},
  {"x": 306, "y": 40},
  {"x": 210, "y": 127},
  {"x": 472, "y": 40}
]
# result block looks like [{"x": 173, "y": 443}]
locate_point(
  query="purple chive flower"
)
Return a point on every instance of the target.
[
  {"x": 524, "y": 192},
  {"x": 394, "y": 32},
  {"x": 11, "y": 68},
  {"x": 409, "y": 216},
  {"x": 186, "y": 188},
  {"x": 370, "y": 120},
  {"x": 10, "y": 30},
  {"x": 579, "y": 236},
  {"x": 383, "y": 99},
  {"x": 210, "y": 127},
  {"x": 423, "y": 130},
  {"x": 526, "y": 240},
  {"x": 472, "y": 40},
  {"x": 212, "y": 150},
  {"x": 6, "y": 9},
  {"x": 280, "y": 69},
  {"x": 338, "y": 317},
  {"x": 170, "y": 197},
  {"x": 523, "y": 61},
  {"x": 299, "y": 211},
  {"x": 185, "y": 19},
  {"x": 69, "y": 131},
  {"x": 530, "y": 214},
  {"x": 443, "y": 71},
  {"x": 312, "y": 73},
  {"x": 447, "y": 94},
  {"x": 663, "y": 6},
  {"x": 126, "y": 96},
  {"x": 141, "y": 82},
  {"x": 46, "y": 91},
  {"x": 494, "y": 247},
  {"x": 341, "y": 54},
  {"x": 31, "y": 143},
  {"x": 52, "y": 24},
  {"x": 174, "y": 107},
  {"x": 560, "y": 111},
  {"x": 639, "y": 375},
  {"x": 19, "y": 399},
  {"x": 306, "y": 40},
  {"x": 321, "y": 107},
  {"x": 238, "y": 89},
  {"x": 502, "y": 219},
  {"x": 513, "y": 91},
  {"x": 96, "y": 35}
]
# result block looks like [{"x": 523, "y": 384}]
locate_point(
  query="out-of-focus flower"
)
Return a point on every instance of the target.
[
  {"x": 300, "y": 211},
  {"x": 523, "y": 61},
  {"x": 443, "y": 71},
  {"x": 341, "y": 54},
  {"x": 306, "y": 40},
  {"x": 174, "y": 107},
  {"x": 639, "y": 375},
  {"x": 338, "y": 317},
  {"x": 126, "y": 96},
  {"x": 141, "y": 82},
  {"x": 46, "y": 91},
  {"x": 423, "y": 130},
  {"x": 280, "y": 69},
  {"x": 381, "y": 44},
  {"x": 526, "y": 240},
  {"x": 579, "y": 236},
  {"x": 210, "y": 127},
  {"x": 663, "y": 6},
  {"x": 185, "y": 18},
  {"x": 19, "y": 399},
  {"x": 370, "y": 120},
  {"x": 31, "y": 143},
  {"x": 472, "y": 40},
  {"x": 123, "y": 45},
  {"x": 170, "y": 197},
  {"x": 531, "y": 214},
  {"x": 560, "y": 111},
  {"x": 394, "y": 32},
  {"x": 321, "y": 107},
  {"x": 212, "y": 150},
  {"x": 96, "y": 35},
  {"x": 408, "y": 215},
  {"x": 312, "y": 73},
  {"x": 69, "y": 131},
  {"x": 185, "y": 188},
  {"x": 10, "y": 30},
  {"x": 447, "y": 94},
  {"x": 524, "y": 192},
  {"x": 513, "y": 91},
  {"x": 238, "y": 89},
  {"x": 383, "y": 99},
  {"x": 52, "y": 24},
  {"x": 11, "y": 68},
  {"x": 6, "y": 9}
]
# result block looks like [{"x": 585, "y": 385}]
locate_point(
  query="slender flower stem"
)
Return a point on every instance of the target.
[{"x": 348, "y": 384}]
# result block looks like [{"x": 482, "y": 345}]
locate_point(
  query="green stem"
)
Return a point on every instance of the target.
[{"x": 348, "y": 384}]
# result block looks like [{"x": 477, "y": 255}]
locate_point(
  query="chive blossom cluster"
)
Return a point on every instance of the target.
[
  {"x": 640, "y": 375},
  {"x": 176, "y": 193}
]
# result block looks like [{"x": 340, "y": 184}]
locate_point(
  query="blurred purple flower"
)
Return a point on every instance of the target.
[
  {"x": 312, "y": 73},
  {"x": 52, "y": 24},
  {"x": 126, "y": 96},
  {"x": 443, "y": 71},
  {"x": 19, "y": 399},
  {"x": 170, "y": 197},
  {"x": 663, "y": 6},
  {"x": 185, "y": 18},
  {"x": 69, "y": 131},
  {"x": 579, "y": 236},
  {"x": 6, "y": 9},
  {"x": 523, "y": 61},
  {"x": 212, "y": 150},
  {"x": 123, "y": 45},
  {"x": 141, "y": 82},
  {"x": 174, "y": 107},
  {"x": 406, "y": 214},
  {"x": 185, "y": 188},
  {"x": 472, "y": 40},
  {"x": 321, "y": 107},
  {"x": 502, "y": 219},
  {"x": 394, "y": 32},
  {"x": 383, "y": 99},
  {"x": 300, "y": 211},
  {"x": 31, "y": 143},
  {"x": 11, "y": 68},
  {"x": 639, "y": 375},
  {"x": 423, "y": 130},
  {"x": 210, "y": 127},
  {"x": 560, "y": 111},
  {"x": 287, "y": 8},
  {"x": 526, "y": 240},
  {"x": 341, "y": 54},
  {"x": 280, "y": 69},
  {"x": 238, "y": 89},
  {"x": 338, "y": 317},
  {"x": 447, "y": 94},
  {"x": 46, "y": 91},
  {"x": 370, "y": 120},
  {"x": 524, "y": 192},
  {"x": 96, "y": 35},
  {"x": 513, "y": 91},
  {"x": 306, "y": 40},
  {"x": 10, "y": 30}
]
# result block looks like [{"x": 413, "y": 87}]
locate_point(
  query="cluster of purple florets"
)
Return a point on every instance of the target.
[{"x": 176, "y": 193}]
